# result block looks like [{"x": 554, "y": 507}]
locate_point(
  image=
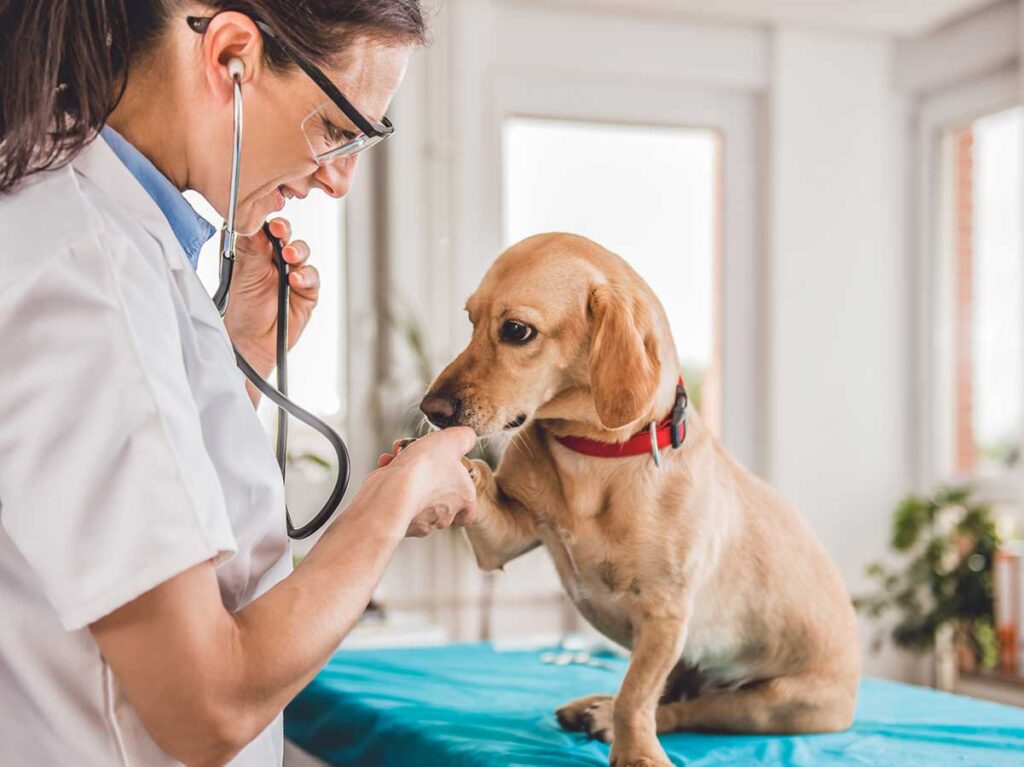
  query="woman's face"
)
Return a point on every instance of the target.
[{"x": 282, "y": 113}]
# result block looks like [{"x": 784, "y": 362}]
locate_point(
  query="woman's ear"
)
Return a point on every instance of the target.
[
  {"x": 231, "y": 35},
  {"x": 624, "y": 364}
]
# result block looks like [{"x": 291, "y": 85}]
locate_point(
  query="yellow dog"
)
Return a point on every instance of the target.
[{"x": 736, "y": 618}]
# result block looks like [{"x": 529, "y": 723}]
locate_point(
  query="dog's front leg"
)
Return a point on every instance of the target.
[
  {"x": 502, "y": 528},
  {"x": 657, "y": 644}
]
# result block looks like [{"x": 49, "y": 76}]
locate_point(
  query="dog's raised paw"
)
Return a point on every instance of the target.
[{"x": 571, "y": 715}]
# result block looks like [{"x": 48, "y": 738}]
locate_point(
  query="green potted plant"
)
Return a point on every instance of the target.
[{"x": 943, "y": 584}]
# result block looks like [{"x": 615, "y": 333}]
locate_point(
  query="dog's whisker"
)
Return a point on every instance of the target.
[
  {"x": 481, "y": 446},
  {"x": 524, "y": 443}
]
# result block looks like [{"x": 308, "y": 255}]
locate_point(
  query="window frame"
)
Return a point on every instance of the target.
[
  {"x": 737, "y": 120},
  {"x": 937, "y": 115},
  {"x": 711, "y": 404}
]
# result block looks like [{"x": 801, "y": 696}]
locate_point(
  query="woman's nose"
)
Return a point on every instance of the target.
[{"x": 335, "y": 176}]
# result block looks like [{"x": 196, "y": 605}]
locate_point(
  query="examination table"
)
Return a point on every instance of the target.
[{"x": 470, "y": 705}]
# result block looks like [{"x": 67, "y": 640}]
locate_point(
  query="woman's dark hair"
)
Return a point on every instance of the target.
[{"x": 64, "y": 63}]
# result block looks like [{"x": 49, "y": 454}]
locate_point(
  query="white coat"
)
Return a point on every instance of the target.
[{"x": 129, "y": 452}]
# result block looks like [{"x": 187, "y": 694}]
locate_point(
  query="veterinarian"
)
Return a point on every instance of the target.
[{"x": 150, "y": 612}]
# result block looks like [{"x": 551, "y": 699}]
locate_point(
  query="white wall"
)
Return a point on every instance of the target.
[
  {"x": 978, "y": 45},
  {"x": 838, "y": 359}
]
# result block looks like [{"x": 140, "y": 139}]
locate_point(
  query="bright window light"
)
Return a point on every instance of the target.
[
  {"x": 649, "y": 194},
  {"x": 316, "y": 364},
  {"x": 982, "y": 297}
]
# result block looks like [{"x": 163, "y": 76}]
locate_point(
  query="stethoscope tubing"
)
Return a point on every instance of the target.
[{"x": 279, "y": 394}]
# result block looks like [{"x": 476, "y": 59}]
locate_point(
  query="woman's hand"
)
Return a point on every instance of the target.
[
  {"x": 433, "y": 470},
  {"x": 251, "y": 318}
]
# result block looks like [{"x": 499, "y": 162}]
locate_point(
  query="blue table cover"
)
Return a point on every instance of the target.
[{"x": 469, "y": 705}]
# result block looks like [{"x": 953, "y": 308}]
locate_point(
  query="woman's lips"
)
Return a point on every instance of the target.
[{"x": 281, "y": 194}]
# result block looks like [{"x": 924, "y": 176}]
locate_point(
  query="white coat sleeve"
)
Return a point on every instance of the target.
[{"x": 106, "y": 487}]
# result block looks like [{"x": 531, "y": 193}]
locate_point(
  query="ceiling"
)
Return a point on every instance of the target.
[{"x": 902, "y": 18}]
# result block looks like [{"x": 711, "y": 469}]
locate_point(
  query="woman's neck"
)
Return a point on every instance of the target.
[{"x": 149, "y": 114}]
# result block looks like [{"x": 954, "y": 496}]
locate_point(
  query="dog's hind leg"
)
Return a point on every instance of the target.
[{"x": 784, "y": 705}]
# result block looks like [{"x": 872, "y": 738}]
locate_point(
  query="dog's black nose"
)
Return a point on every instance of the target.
[{"x": 441, "y": 409}]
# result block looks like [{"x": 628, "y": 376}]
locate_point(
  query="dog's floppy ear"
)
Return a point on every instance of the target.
[{"x": 624, "y": 363}]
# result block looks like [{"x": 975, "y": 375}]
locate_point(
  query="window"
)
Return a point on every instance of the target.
[
  {"x": 649, "y": 194},
  {"x": 316, "y": 365},
  {"x": 980, "y": 314}
]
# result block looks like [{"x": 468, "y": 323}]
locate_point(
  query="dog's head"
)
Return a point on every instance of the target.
[{"x": 562, "y": 329}]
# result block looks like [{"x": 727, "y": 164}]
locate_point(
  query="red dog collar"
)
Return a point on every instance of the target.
[{"x": 671, "y": 431}]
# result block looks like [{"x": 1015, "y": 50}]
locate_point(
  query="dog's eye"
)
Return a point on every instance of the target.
[{"x": 513, "y": 332}]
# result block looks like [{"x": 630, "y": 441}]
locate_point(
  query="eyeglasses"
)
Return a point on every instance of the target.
[{"x": 335, "y": 128}]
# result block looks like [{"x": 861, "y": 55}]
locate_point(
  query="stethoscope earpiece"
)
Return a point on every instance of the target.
[{"x": 236, "y": 69}]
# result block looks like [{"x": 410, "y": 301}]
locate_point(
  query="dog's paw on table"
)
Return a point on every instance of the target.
[
  {"x": 592, "y": 715},
  {"x": 640, "y": 761},
  {"x": 636, "y": 755},
  {"x": 598, "y": 720}
]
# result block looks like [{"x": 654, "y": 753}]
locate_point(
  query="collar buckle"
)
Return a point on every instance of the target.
[
  {"x": 679, "y": 412},
  {"x": 652, "y": 429}
]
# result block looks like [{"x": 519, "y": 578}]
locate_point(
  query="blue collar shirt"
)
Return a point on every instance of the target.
[{"x": 190, "y": 229}]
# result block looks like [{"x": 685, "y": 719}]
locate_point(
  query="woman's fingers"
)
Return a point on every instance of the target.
[
  {"x": 441, "y": 482},
  {"x": 295, "y": 253},
  {"x": 457, "y": 440},
  {"x": 281, "y": 228},
  {"x": 305, "y": 280},
  {"x": 401, "y": 444},
  {"x": 452, "y": 443},
  {"x": 434, "y": 518},
  {"x": 423, "y": 524},
  {"x": 464, "y": 517}
]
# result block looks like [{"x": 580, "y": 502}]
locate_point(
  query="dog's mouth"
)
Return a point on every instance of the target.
[{"x": 516, "y": 422}]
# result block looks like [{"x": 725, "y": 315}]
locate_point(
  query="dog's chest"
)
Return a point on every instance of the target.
[
  {"x": 602, "y": 579},
  {"x": 614, "y": 596},
  {"x": 616, "y": 575},
  {"x": 593, "y": 587}
]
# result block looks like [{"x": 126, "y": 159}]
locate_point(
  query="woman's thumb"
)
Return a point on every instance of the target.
[{"x": 459, "y": 439}]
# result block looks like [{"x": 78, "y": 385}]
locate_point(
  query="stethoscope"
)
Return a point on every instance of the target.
[{"x": 278, "y": 395}]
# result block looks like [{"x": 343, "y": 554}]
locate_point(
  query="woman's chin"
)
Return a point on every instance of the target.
[{"x": 250, "y": 218}]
